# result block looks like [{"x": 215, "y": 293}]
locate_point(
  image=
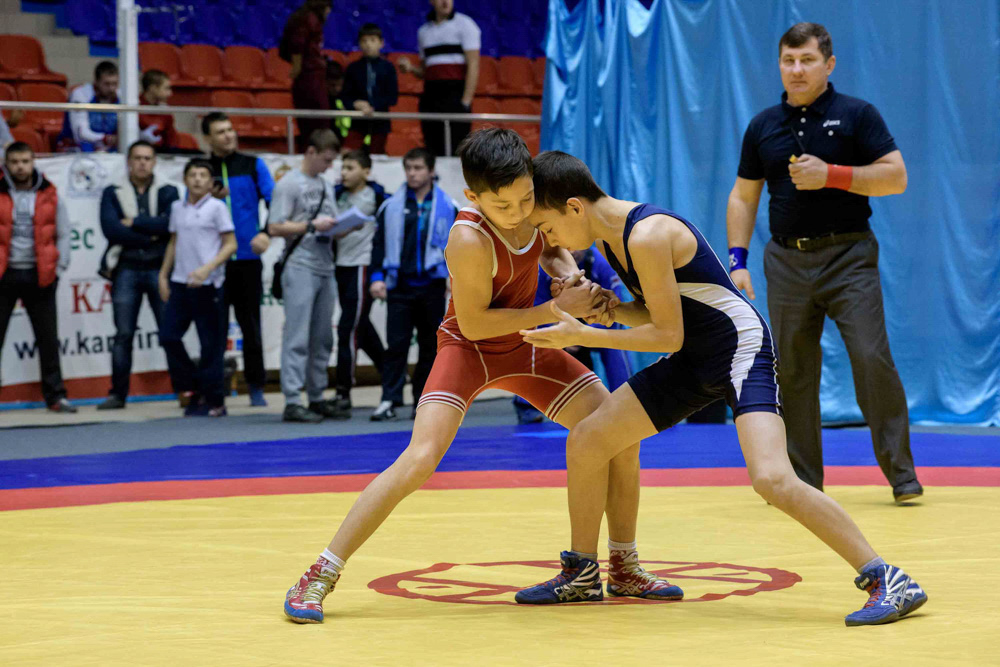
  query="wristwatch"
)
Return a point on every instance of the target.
[{"x": 310, "y": 228}]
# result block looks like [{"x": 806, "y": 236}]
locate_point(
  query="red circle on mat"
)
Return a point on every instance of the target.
[{"x": 434, "y": 584}]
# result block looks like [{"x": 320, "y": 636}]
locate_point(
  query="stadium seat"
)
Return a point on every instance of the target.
[
  {"x": 538, "y": 65},
  {"x": 244, "y": 125},
  {"x": 408, "y": 84},
  {"x": 273, "y": 126},
  {"x": 201, "y": 64},
  {"x": 46, "y": 121},
  {"x": 488, "y": 76},
  {"x": 164, "y": 57},
  {"x": 32, "y": 137},
  {"x": 23, "y": 60},
  {"x": 277, "y": 70},
  {"x": 485, "y": 105},
  {"x": 7, "y": 92},
  {"x": 521, "y": 105},
  {"x": 516, "y": 76},
  {"x": 185, "y": 140},
  {"x": 244, "y": 66},
  {"x": 406, "y": 104},
  {"x": 399, "y": 142}
]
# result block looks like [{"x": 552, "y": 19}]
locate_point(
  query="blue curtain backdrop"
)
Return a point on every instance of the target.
[{"x": 655, "y": 97}]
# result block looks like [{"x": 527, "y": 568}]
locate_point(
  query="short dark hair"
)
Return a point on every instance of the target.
[
  {"x": 800, "y": 33},
  {"x": 19, "y": 147},
  {"x": 560, "y": 176},
  {"x": 153, "y": 77},
  {"x": 323, "y": 139},
  {"x": 494, "y": 158},
  {"x": 334, "y": 70},
  {"x": 359, "y": 156},
  {"x": 199, "y": 163},
  {"x": 370, "y": 30},
  {"x": 214, "y": 117},
  {"x": 420, "y": 153},
  {"x": 105, "y": 67},
  {"x": 138, "y": 144}
]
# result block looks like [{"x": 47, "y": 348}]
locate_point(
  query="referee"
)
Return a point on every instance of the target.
[{"x": 823, "y": 154}]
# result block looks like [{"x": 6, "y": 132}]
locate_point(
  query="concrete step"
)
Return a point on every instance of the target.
[
  {"x": 10, "y": 6},
  {"x": 70, "y": 47},
  {"x": 19, "y": 23}
]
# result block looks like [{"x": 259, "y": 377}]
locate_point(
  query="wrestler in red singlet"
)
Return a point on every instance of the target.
[{"x": 548, "y": 379}]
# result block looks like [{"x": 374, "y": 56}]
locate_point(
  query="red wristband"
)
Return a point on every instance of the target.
[{"x": 839, "y": 177}]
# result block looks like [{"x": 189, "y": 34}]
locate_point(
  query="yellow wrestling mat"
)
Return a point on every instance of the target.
[{"x": 202, "y": 582}]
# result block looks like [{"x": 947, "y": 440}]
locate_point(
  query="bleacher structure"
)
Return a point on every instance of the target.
[{"x": 227, "y": 57}]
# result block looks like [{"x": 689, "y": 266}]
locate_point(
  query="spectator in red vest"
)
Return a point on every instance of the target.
[
  {"x": 302, "y": 41},
  {"x": 449, "y": 53},
  {"x": 34, "y": 250}
]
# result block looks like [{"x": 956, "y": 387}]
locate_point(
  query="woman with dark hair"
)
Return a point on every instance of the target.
[{"x": 301, "y": 43}]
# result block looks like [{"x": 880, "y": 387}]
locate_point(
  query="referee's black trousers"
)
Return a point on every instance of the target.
[{"x": 841, "y": 282}]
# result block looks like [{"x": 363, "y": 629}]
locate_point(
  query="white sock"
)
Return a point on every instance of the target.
[
  {"x": 337, "y": 563},
  {"x": 874, "y": 562},
  {"x": 621, "y": 546}
]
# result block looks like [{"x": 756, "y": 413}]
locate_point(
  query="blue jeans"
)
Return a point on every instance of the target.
[
  {"x": 127, "y": 290},
  {"x": 206, "y": 307}
]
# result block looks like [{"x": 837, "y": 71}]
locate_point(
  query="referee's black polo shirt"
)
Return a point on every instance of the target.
[{"x": 835, "y": 128}]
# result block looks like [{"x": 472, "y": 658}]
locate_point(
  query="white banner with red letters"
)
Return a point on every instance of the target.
[{"x": 86, "y": 325}]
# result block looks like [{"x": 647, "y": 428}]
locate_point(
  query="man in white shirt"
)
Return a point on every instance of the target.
[
  {"x": 449, "y": 53},
  {"x": 94, "y": 131}
]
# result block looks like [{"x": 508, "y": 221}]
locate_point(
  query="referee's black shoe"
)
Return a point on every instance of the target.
[
  {"x": 300, "y": 414},
  {"x": 907, "y": 491}
]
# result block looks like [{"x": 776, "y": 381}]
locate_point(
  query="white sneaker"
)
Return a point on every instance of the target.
[{"x": 384, "y": 412}]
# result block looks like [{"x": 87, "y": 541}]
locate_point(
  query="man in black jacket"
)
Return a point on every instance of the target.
[
  {"x": 134, "y": 218},
  {"x": 370, "y": 84}
]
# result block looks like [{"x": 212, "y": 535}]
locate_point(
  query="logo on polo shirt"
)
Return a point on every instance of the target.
[{"x": 828, "y": 123}]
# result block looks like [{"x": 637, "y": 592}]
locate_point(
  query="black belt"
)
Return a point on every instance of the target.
[{"x": 818, "y": 242}]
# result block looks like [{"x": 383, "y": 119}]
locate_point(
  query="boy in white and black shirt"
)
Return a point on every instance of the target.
[{"x": 354, "y": 255}]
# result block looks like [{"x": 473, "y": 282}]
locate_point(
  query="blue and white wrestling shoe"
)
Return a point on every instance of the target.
[
  {"x": 579, "y": 581},
  {"x": 891, "y": 595}
]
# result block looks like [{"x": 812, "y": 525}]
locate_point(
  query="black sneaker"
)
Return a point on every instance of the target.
[
  {"x": 907, "y": 491},
  {"x": 299, "y": 413},
  {"x": 112, "y": 403},
  {"x": 384, "y": 412},
  {"x": 63, "y": 406},
  {"x": 329, "y": 410},
  {"x": 343, "y": 402}
]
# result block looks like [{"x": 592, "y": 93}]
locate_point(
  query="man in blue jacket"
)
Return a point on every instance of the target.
[
  {"x": 242, "y": 181},
  {"x": 134, "y": 218},
  {"x": 409, "y": 271}
]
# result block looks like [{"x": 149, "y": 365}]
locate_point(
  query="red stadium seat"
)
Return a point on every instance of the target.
[
  {"x": 201, "y": 64},
  {"x": 46, "y": 121},
  {"x": 485, "y": 105},
  {"x": 22, "y": 59},
  {"x": 185, "y": 140},
  {"x": 516, "y": 76},
  {"x": 273, "y": 126},
  {"x": 399, "y": 142},
  {"x": 408, "y": 84},
  {"x": 244, "y": 125},
  {"x": 32, "y": 137},
  {"x": 244, "y": 66},
  {"x": 521, "y": 105},
  {"x": 489, "y": 83},
  {"x": 538, "y": 66},
  {"x": 164, "y": 57},
  {"x": 406, "y": 104},
  {"x": 277, "y": 70},
  {"x": 7, "y": 92}
]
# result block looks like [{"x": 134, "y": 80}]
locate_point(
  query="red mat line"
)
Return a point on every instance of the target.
[{"x": 98, "y": 494}]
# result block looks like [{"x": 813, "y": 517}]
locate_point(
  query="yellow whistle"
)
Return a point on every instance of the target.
[{"x": 793, "y": 159}]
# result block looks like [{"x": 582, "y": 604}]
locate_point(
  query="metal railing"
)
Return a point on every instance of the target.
[{"x": 288, "y": 114}]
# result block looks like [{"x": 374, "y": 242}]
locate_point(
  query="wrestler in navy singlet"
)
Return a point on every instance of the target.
[{"x": 727, "y": 351}]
